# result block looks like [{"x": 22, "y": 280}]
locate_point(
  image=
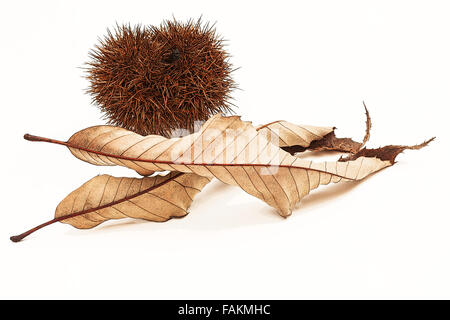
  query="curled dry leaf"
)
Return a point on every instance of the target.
[
  {"x": 104, "y": 197},
  {"x": 287, "y": 134},
  {"x": 329, "y": 141},
  {"x": 227, "y": 148}
]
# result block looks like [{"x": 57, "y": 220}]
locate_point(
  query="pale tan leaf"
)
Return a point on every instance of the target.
[
  {"x": 104, "y": 197},
  {"x": 281, "y": 133},
  {"x": 227, "y": 148}
]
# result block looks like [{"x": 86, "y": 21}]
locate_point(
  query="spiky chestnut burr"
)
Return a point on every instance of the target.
[{"x": 155, "y": 79}]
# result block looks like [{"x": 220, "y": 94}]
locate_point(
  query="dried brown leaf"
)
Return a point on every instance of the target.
[
  {"x": 104, "y": 197},
  {"x": 226, "y": 148}
]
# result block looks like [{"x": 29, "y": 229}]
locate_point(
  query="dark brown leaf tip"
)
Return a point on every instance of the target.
[
  {"x": 387, "y": 153},
  {"x": 154, "y": 79}
]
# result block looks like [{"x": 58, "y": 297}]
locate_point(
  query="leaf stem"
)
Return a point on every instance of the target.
[
  {"x": 19, "y": 237},
  {"x": 31, "y": 137}
]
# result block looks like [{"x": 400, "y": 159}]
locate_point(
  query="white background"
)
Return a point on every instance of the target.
[{"x": 309, "y": 62}]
